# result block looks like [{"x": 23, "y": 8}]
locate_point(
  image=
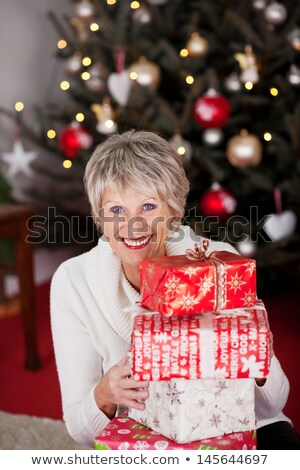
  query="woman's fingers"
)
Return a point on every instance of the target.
[{"x": 131, "y": 383}]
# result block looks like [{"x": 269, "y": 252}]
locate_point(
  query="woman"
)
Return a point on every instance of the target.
[{"x": 137, "y": 189}]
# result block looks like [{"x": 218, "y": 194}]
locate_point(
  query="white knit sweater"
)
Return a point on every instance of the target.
[{"x": 91, "y": 332}]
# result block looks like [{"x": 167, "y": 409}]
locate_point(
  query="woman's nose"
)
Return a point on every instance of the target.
[{"x": 134, "y": 226}]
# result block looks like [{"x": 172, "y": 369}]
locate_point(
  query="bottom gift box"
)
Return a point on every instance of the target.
[{"x": 124, "y": 433}]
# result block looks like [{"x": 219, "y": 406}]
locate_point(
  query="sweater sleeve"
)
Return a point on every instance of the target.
[
  {"x": 78, "y": 364},
  {"x": 271, "y": 398}
]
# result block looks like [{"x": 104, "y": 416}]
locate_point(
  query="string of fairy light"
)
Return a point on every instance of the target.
[{"x": 196, "y": 41}]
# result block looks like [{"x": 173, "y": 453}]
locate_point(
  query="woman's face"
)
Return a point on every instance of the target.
[{"x": 135, "y": 224}]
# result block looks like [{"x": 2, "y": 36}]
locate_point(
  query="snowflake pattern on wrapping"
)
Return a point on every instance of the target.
[
  {"x": 156, "y": 421},
  {"x": 206, "y": 284},
  {"x": 173, "y": 285},
  {"x": 201, "y": 403},
  {"x": 141, "y": 445},
  {"x": 189, "y": 271},
  {"x": 239, "y": 402},
  {"x": 188, "y": 302},
  {"x": 220, "y": 386},
  {"x": 173, "y": 393},
  {"x": 236, "y": 282},
  {"x": 249, "y": 298},
  {"x": 215, "y": 420}
]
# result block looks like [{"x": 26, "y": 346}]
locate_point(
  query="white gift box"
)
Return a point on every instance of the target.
[{"x": 188, "y": 410}]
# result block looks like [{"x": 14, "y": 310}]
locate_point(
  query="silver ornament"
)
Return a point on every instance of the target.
[
  {"x": 142, "y": 15},
  {"x": 97, "y": 81},
  {"x": 294, "y": 39},
  {"x": 212, "y": 136},
  {"x": 85, "y": 10},
  {"x": 74, "y": 63},
  {"x": 246, "y": 247},
  {"x": 275, "y": 13},
  {"x": 232, "y": 83},
  {"x": 294, "y": 75},
  {"x": 259, "y": 4}
]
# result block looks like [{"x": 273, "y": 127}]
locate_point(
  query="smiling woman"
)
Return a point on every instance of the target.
[{"x": 137, "y": 189}]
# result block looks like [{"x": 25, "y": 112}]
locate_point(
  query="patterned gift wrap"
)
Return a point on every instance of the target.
[
  {"x": 233, "y": 345},
  {"x": 178, "y": 285},
  {"x": 189, "y": 410},
  {"x": 124, "y": 433}
]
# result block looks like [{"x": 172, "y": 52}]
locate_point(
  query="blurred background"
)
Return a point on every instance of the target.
[{"x": 219, "y": 79}]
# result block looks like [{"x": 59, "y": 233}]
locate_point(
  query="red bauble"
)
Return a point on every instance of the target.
[
  {"x": 212, "y": 110},
  {"x": 217, "y": 201},
  {"x": 73, "y": 139}
]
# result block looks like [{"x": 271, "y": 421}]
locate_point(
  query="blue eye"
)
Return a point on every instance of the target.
[
  {"x": 116, "y": 210},
  {"x": 149, "y": 207}
]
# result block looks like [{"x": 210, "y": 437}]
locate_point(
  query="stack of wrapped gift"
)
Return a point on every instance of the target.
[{"x": 200, "y": 337}]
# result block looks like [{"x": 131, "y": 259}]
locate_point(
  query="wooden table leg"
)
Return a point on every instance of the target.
[{"x": 24, "y": 264}]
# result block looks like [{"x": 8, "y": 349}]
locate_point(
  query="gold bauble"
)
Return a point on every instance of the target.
[
  {"x": 197, "y": 45},
  {"x": 244, "y": 150},
  {"x": 145, "y": 73}
]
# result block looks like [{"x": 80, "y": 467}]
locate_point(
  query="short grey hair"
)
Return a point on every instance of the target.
[{"x": 140, "y": 160}]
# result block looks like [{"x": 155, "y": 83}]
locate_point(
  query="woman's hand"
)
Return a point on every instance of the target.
[{"x": 117, "y": 388}]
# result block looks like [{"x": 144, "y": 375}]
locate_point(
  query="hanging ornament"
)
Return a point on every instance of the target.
[
  {"x": 283, "y": 223},
  {"x": 259, "y": 4},
  {"x": 217, "y": 201},
  {"x": 119, "y": 84},
  {"x": 197, "y": 45},
  {"x": 249, "y": 67},
  {"x": 146, "y": 73},
  {"x": 275, "y": 13},
  {"x": 142, "y": 15},
  {"x": 105, "y": 117},
  {"x": 294, "y": 75},
  {"x": 97, "y": 81},
  {"x": 294, "y": 39},
  {"x": 182, "y": 147},
  {"x": 73, "y": 139},
  {"x": 212, "y": 137},
  {"x": 73, "y": 64},
  {"x": 212, "y": 110},
  {"x": 246, "y": 247},
  {"x": 18, "y": 160},
  {"x": 232, "y": 83},
  {"x": 85, "y": 10},
  {"x": 244, "y": 150}
]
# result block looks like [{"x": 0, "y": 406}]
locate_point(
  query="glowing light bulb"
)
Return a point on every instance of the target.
[
  {"x": 94, "y": 27},
  {"x": 85, "y": 75},
  {"x": 189, "y": 80},
  {"x": 67, "y": 164},
  {"x": 135, "y": 5},
  {"x": 248, "y": 85},
  {"x": 274, "y": 91},
  {"x": 184, "y": 53},
  {"x": 111, "y": 2},
  {"x": 133, "y": 75},
  {"x": 51, "y": 134},
  {"x": 86, "y": 61},
  {"x": 19, "y": 106},
  {"x": 267, "y": 136},
  {"x": 79, "y": 117},
  {"x": 65, "y": 85},
  {"x": 62, "y": 43}
]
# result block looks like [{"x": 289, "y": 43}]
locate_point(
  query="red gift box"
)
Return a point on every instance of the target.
[
  {"x": 197, "y": 282},
  {"x": 123, "y": 433},
  {"x": 227, "y": 344}
]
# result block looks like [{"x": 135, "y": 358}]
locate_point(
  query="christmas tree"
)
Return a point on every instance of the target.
[{"x": 220, "y": 80}]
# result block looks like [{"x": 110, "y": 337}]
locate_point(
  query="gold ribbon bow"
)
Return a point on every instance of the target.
[{"x": 200, "y": 252}]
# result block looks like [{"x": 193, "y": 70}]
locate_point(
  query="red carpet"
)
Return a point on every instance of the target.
[{"x": 37, "y": 393}]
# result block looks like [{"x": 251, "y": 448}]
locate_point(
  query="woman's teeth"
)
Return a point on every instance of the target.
[{"x": 138, "y": 242}]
